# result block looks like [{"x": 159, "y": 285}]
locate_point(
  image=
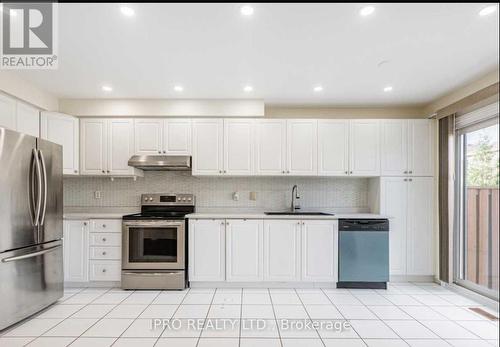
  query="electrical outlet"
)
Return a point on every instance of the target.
[
  {"x": 97, "y": 194},
  {"x": 253, "y": 196}
]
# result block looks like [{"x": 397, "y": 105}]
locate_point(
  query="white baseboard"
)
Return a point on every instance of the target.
[
  {"x": 92, "y": 284},
  {"x": 412, "y": 278},
  {"x": 263, "y": 284}
]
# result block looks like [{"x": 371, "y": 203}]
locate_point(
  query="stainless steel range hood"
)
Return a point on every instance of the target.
[{"x": 161, "y": 162}]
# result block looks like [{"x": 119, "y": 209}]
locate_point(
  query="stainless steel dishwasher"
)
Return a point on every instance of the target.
[{"x": 363, "y": 253}]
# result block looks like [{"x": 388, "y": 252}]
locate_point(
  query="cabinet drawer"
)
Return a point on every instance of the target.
[
  {"x": 106, "y": 226},
  {"x": 105, "y": 270},
  {"x": 105, "y": 253},
  {"x": 105, "y": 239}
]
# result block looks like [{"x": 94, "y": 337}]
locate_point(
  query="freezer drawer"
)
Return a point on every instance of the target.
[
  {"x": 363, "y": 256},
  {"x": 31, "y": 279}
]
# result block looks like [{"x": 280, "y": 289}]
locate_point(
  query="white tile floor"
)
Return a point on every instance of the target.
[{"x": 407, "y": 314}]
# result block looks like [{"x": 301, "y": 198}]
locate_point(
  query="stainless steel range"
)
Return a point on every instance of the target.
[{"x": 154, "y": 252}]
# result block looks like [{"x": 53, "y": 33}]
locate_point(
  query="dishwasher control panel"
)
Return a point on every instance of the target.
[{"x": 363, "y": 225}]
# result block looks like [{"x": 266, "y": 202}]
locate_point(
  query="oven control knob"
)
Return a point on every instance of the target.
[
  {"x": 189, "y": 199},
  {"x": 150, "y": 199},
  {"x": 146, "y": 198},
  {"x": 183, "y": 199}
]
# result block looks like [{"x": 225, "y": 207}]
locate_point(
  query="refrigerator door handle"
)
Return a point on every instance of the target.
[
  {"x": 43, "y": 208},
  {"x": 36, "y": 197},
  {"x": 30, "y": 255}
]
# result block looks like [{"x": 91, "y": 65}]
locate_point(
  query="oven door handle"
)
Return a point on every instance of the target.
[{"x": 146, "y": 224}]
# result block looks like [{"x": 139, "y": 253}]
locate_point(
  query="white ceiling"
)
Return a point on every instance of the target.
[{"x": 283, "y": 51}]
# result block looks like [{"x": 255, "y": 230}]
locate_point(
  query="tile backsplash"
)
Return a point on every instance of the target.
[{"x": 217, "y": 192}]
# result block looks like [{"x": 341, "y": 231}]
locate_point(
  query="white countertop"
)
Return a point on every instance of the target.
[
  {"x": 98, "y": 212},
  {"x": 262, "y": 215},
  {"x": 119, "y": 212}
]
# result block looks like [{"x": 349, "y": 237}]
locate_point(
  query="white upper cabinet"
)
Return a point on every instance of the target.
[
  {"x": 318, "y": 250},
  {"x": 407, "y": 147},
  {"x": 394, "y": 203},
  {"x": 421, "y": 147},
  {"x": 333, "y": 147},
  {"x": 177, "y": 136},
  {"x": 238, "y": 146},
  {"x": 302, "y": 147},
  {"x": 270, "y": 147},
  {"x": 106, "y": 145},
  {"x": 28, "y": 119},
  {"x": 18, "y": 116},
  {"x": 394, "y": 147},
  {"x": 364, "y": 148},
  {"x": 208, "y": 146},
  {"x": 7, "y": 112},
  {"x": 148, "y": 135},
  {"x": 93, "y": 146},
  {"x": 63, "y": 130},
  {"x": 420, "y": 226},
  {"x": 282, "y": 250},
  {"x": 207, "y": 253},
  {"x": 244, "y": 250},
  {"x": 120, "y": 146}
]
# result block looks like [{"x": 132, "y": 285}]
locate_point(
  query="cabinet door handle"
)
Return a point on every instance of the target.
[
  {"x": 405, "y": 172},
  {"x": 346, "y": 172},
  {"x": 85, "y": 223},
  {"x": 103, "y": 239},
  {"x": 107, "y": 171},
  {"x": 76, "y": 171},
  {"x": 103, "y": 171},
  {"x": 405, "y": 179},
  {"x": 283, "y": 171},
  {"x": 411, "y": 171},
  {"x": 220, "y": 171},
  {"x": 410, "y": 180},
  {"x": 350, "y": 172},
  {"x": 164, "y": 152},
  {"x": 103, "y": 270},
  {"x": 104, "y": 225},
  {"x": 159, "y": 152},
  {"x": 103, "y": 253}
]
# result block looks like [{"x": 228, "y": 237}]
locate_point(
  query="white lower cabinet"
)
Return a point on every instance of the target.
[
  {"x": 244, "y": 250},
  {"x": 318, "y": 250},
  {"x": 92, "y": 250},
  {"x": 281, "y": 250},
  {"x": 76, "y": 250},
  {"x": 206, "y": 250},
  {"x": 257, "y": 250}
]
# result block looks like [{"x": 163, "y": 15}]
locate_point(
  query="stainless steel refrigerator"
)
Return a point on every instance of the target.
[{"x": 31, "y": 225}]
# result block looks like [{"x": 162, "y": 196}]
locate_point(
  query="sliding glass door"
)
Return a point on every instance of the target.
[{"x": 477, "y": 203}]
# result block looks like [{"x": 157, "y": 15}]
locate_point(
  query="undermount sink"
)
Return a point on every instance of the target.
[{"x": 298, "y": 213}]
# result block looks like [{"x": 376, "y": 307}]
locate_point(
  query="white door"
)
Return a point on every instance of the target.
[
  {"x": 244, "y": 250},
  {"x": 282, "y": 250},
  {"x": 207, "y": 250},
  {"x": 270, "y": 147},
  {"x": 148, "y": 135},
  {"x": 177, "y": 136},
  {"x": 63, "y": 129},
  {"x": 302, "y": 147},
  {"x": 333, "y": 147},
  {"x": 394, "y": 147},
  {"x": 75, "y": 250},
  {"x": 120, "y": 146},
  {"x": 394, "y": 203},
  {"x": 421, "y": 147},
  {"x": 7, "y": 112},
  {"x": 318, "y": 245},
  {"x": 419, "y": 244},
  {"x": 93, "y": 146},
  {"x": 28, "y": 119},
  {"x": 364, "y": 146},
  {"x": 208, "y": 146},
  {"x": 238, "y": 146}
]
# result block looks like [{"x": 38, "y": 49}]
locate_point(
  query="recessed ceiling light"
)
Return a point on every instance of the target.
[
  {"x": 318, "y": 89},
  {"x": 366, "y": 11},
  {"x": 248, "y": 89},
  {"x": 127, "y": 11},
  {"x": 488, "y": 10},
  {"x": 246, "y": 10},
  {"x": 107, "y": 88},
  {"x": 388, "y": 89},
  {"x": 178, "y": 88}
]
